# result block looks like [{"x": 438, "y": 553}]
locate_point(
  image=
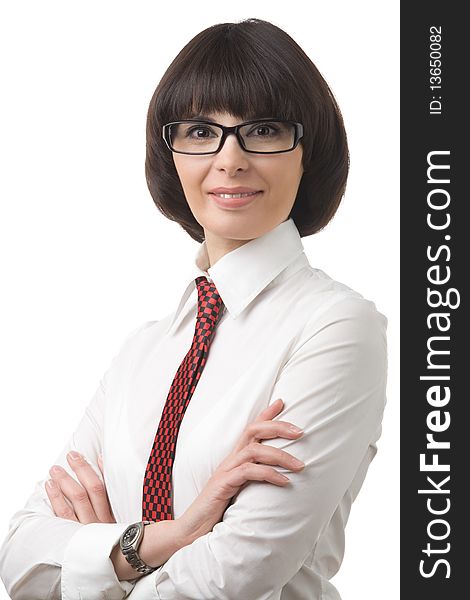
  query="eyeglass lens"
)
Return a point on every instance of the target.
[{"x": 267, "y": 136}]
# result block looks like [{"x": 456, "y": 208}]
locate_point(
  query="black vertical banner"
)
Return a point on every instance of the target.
[{"x": 434, "y": 261}]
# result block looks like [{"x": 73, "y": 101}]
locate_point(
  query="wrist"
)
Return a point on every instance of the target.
[
  {"x": 161, "y": 540},
  {"x": 130, "y": 543}
]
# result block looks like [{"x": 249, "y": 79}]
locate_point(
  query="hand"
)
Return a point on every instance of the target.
[
  {"x": 69, "y": 500},
  {"x": 242, "y": 465}
]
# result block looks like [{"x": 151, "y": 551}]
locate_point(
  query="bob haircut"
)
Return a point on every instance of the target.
[{"x": 250, "y": 69}]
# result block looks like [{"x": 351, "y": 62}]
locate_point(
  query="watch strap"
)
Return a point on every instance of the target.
[{"x": 133, "y": 558}]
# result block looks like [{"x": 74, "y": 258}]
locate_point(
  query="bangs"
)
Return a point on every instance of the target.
[{"x": 230, "y": 74}]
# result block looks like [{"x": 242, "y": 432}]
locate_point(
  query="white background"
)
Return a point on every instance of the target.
[{"x": 86, "y": 257}]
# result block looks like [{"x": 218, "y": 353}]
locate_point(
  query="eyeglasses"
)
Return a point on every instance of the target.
[{"x": 260, "y": 136}]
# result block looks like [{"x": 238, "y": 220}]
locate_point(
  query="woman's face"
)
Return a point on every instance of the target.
[{"x": 277, "y": 176}]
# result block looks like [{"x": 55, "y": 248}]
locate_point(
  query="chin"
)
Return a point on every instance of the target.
[{"x": 238, "y": 226}]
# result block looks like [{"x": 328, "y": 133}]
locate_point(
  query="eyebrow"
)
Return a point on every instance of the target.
[
  {"x": 203, "y": 118},
  {"x": 210, "y": 120}
]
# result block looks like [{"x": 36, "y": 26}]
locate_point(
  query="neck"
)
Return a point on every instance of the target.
[{"x": 218, "y": 247}]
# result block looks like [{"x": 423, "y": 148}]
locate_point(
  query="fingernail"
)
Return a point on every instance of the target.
[
  {"x": 74, "y": 455},
  {"x": 295, "y": 429},
  {"x": 56, "y": 469},
  {"x": 50, "y": 484}
]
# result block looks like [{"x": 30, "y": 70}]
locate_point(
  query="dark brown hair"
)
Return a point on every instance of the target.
[{"x": 250, "y": 69}]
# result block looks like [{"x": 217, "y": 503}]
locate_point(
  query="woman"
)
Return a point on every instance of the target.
[{"x": 246, "y": 150}]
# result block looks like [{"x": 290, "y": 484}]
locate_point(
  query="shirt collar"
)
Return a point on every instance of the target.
[{"x": 240, "y": 275}]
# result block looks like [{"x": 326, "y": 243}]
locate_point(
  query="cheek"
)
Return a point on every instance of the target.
[
  {"x": 286, "y": 174},
  {"x": 190, "y": 172}
]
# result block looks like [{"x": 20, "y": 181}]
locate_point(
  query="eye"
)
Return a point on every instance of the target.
[
  {"x": 263, "y": 130},
  {"x": 200, "y": 131}
]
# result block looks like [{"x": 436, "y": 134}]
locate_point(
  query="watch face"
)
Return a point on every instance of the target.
[{"x": 130, "y": 535}]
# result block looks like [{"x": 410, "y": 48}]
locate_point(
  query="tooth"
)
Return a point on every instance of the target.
[{"x": 241, "y": 195}]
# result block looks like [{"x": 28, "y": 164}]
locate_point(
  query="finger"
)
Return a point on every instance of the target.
[
  {"x": 94, "y": 487},
  {"x": 269, "y": 455},
  {"x": 266, "y": 430},
  {"x": 59, "y": 504},
  {"x": 251, "y": 472},
  {"x": 101, "y": 466},
  {"x": 75, "y": 494},
  {"x": 270, "y": 411},
  {"x": 267, "y": 414}
]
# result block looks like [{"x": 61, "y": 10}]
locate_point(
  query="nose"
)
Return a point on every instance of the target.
[{"x": 231, "y": 156}]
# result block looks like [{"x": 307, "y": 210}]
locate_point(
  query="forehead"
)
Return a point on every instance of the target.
[{"x": 225, "y": 118}]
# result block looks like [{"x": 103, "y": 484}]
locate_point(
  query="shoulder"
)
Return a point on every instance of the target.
[
  {"x": 136, "y": 335},
  {"x": 334, "y": 309},
  {"x": 135, "y": 342}
]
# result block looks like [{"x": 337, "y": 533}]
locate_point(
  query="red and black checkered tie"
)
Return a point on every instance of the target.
[{"x": 157, "y": 495}]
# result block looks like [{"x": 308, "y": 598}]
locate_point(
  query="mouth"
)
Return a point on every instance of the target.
[{"x": 234, "y": 200}]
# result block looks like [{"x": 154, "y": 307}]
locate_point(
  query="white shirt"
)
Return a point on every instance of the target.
[{"x": 289, "y": 331}]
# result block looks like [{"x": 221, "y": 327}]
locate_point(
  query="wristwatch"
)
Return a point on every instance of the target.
[{"x": 130, "y": 541}]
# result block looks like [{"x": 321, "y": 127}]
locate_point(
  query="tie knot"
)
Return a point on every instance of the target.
[{"x": 209, "y": 302}]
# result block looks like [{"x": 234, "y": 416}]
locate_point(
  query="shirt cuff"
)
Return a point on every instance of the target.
[
  {"x": 146, "y": 587},
  {"x": 87, "y": 570}
]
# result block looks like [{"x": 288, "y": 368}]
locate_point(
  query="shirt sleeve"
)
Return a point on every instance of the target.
[
  {"x": 334, "y": 388},
  {"x": 44, "y": 556}
]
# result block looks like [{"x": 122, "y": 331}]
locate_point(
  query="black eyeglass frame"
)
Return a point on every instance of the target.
[{"x": 299, "y": 132}]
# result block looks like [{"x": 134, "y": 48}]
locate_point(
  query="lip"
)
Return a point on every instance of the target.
[
  {"x": 234, "y": 190},
  {"x": 234, "y": 202}
]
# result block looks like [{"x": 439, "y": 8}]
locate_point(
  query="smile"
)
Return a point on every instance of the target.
[
  {"x": 235, "y": 195},
  {"x": 234, "y": 200}
]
